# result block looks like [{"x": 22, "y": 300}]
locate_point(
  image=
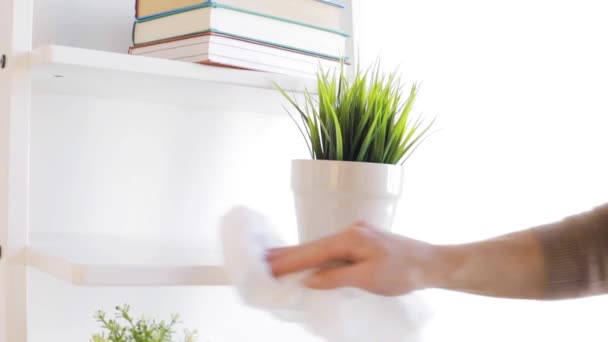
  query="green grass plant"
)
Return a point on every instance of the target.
[{"x": 365, "y": 119}]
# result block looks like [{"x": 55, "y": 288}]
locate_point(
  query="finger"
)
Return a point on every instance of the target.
[
  {"x": 274, "y": 253},
  {"x": 309, "y": 255},
  {"x": 277, "y": 252},
  {"x": 331, "y": 278}
]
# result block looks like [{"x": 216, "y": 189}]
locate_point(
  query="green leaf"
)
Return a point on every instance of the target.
[
  {"x": 359, "y": 119},
  {"x": 125, "y": 328},
  {"x": 400, "y": 127}
]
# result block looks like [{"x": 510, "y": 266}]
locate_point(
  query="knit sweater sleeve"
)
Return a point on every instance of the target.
[{"x": 576, "y": 255}]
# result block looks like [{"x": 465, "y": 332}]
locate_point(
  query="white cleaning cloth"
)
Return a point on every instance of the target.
[{"x": 341, "y": 315}]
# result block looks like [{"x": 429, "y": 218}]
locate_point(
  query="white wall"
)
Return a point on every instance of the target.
[
  {"x": 87, "y": 24},
  {"x": 118, "y": 167},
  {"x": 125, "y": 168},
  {"x": 130, "y": 168},
  {"x": 519, "y": 89},
  {"x": 59, "y": 312}
]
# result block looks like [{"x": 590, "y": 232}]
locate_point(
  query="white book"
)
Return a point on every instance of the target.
[
  {"x": 263, "y": 29},
  {"x": 230, "y": 51},
  {"x": 322, "y": 13}
]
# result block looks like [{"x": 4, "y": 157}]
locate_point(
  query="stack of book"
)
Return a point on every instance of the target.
[{"x": 291, "y": 37}]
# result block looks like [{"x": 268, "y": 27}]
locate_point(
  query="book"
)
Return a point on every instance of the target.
[
  {"x": 322, "y": 13},
  {"x": 224, "y": 50},
  {"x": 236, "y": 22}
]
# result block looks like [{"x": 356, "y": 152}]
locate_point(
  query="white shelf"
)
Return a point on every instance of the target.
[
  {"x": 70, "y": 70},
  {"x": 114, "y": 261}
]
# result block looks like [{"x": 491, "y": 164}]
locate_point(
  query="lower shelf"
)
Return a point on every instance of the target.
[{"x": 117, "y": 261}]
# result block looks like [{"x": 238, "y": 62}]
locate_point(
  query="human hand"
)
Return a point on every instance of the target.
[{"x": 370, "y": 259}]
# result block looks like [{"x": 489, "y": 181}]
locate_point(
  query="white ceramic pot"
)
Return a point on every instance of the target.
[{"x": 332, "y": 195}]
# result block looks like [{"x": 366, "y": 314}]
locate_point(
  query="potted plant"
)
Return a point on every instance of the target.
[
  {"x": 359, "y": 132},
  {"x": 123, "y": 327}
]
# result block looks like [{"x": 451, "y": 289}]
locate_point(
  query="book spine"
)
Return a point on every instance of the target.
[
  {"x": 211, "y": 31},
  {"x": 203, "y": 3},
  {"x": 214, "y": 4},
  {"x": 333, "y": 3}
]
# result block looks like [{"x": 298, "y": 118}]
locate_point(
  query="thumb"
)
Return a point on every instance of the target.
[{"x": 335, "y": 277}]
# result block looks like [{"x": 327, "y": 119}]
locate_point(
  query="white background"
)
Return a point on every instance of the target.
[{"x": 520, "y": 91}]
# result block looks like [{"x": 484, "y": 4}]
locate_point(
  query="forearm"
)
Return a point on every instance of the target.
[
  {"x": 565, "y": 259},
  {"x": 507, "y": 266}
]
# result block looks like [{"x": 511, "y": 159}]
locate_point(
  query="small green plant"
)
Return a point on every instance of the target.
[
  {"x": 140, "y": 330},
  {"x": 365, "y": 119}
]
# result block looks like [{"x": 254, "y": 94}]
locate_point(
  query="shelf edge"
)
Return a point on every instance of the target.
[
  {"x": 65, "y": 55},
  {"x": 125, "y": 275}
]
